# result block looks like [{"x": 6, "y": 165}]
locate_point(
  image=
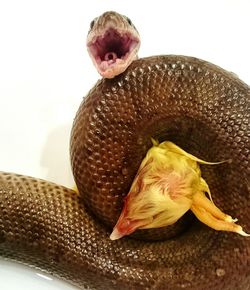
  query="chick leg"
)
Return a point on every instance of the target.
[{"x": 208, "y": 213}]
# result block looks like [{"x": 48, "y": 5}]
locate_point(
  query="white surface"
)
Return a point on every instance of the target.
[
  {"x": 14, "y": 276},
  {"x": 45, "y": 70}
]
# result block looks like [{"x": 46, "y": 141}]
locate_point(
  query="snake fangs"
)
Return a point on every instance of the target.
[{"x": 194, "y": 104}]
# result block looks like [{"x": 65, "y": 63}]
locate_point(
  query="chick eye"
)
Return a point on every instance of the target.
[
  {"x": 129, "y": 21},
  {"x": 92, "y": 23}
]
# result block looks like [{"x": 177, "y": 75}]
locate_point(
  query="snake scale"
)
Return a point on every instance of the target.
[{"x": 199, "y": 106}]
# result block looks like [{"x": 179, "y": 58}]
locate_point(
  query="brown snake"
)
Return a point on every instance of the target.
[{"x": 195, "y": 104}]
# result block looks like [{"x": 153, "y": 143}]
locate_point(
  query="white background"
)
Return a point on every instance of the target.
[{"x": 45, "y": 70}]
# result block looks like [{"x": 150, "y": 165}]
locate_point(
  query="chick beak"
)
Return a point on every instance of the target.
[
  {"x": 123, "y": 228},
  {"x": 168, "y": 184},
  {"x": 115, "y": 235},
  {"x": 125, "y": 225}
]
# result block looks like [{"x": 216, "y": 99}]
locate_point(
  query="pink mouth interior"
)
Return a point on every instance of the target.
[{"x": 111, "y": 47}]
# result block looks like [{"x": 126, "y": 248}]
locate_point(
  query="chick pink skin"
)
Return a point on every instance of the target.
[{"x": 167, "y": 185}]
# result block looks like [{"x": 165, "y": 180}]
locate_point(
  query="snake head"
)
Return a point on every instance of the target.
[
  {"x": 167, "y": 185},
  {"x": 113, "y": 43}
]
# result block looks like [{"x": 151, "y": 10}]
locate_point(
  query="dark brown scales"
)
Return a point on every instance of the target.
[{"x": 197, "y": 105}]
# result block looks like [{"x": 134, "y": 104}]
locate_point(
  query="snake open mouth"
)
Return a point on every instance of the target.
[{"x": 113, "y": 49}]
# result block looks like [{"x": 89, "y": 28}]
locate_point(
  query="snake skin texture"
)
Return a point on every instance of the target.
[{"x": 190, "y": 102}]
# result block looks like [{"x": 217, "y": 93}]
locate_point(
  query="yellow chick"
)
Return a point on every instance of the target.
[{"x": 167, "y": 185}]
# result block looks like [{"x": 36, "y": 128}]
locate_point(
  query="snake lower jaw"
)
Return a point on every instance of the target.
[
  {"x": 109, "y": 68},
  {"x": 113, "y": 51}
]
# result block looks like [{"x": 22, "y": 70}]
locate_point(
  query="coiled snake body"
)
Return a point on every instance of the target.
[{"x": 197, "y": 105}]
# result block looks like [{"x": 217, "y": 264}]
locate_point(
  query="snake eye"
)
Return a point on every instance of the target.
[
  {"x": 92, "y": 23},
  {"x": 129, "y": 21}
]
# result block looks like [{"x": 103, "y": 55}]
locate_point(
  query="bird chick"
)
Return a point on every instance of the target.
[{"x": 168, "y": 184}]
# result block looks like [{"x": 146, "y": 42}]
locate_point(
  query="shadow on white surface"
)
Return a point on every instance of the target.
[
  {"x": 15, "y": 276},
  {"x": 45, "y": 69},
  {"x": 55, "y": 157}
]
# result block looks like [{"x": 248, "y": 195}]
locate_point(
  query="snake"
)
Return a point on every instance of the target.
[{"x": 199, "y": 106}]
